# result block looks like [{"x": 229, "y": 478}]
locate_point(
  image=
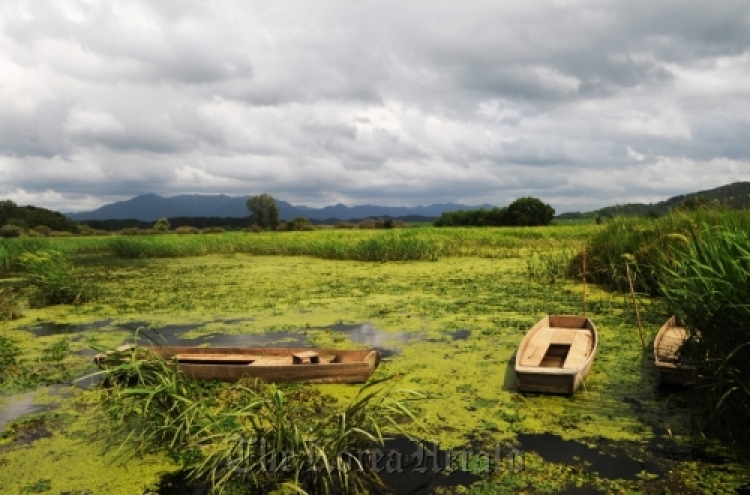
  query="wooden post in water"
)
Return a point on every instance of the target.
[
  {"x": 583, "y": 276},
  {"x": 635, "y": 304}
]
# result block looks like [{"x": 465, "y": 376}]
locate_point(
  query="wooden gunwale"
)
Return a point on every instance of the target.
[{"x": 277, "y": 365}]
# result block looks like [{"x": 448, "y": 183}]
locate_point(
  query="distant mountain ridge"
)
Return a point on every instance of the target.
[
  {"x": 735, "y": 196},
  {"x": 151, "y": 207}
]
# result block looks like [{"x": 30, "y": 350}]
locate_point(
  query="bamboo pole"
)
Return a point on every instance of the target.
[
  {"x": 635, "y": 305},
  {"x": 583, "y": 276}
]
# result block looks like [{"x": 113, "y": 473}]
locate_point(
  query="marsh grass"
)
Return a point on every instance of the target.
[
  {"x": 549, "y": 266},
  {"x": 9, "y": 354},
  {"x": 250, "y": 433},
  {"x": 53, "y": 280},
  {"x": 706, "y": 280},
  {"x": 644, "y": 243},
  {"x": 357, "y": 245},
  {"x": 12, "y": 250},
  {"x": 10, "y": 308}
]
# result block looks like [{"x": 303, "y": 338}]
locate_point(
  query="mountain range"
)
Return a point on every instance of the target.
[
  {"x": 151, "y": 207},
  {"x": 734, "y": 196}
]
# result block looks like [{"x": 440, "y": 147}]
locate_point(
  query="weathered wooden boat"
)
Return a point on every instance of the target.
[
  {"x": 556, "y": 354},
  {"x": 272, "y": 364},
  {"x": 672, "y": 370}
]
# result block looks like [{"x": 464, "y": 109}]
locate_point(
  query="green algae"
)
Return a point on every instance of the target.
[{"x": 469, "y": 384}]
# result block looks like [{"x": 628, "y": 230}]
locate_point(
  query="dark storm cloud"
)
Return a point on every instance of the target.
[{"x": 37, "y": 132}]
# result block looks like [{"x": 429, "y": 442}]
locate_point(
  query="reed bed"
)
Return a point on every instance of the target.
[
  {"x": 396, "y": 245},
  {"x": 643, "y": 243},
  {"x": 706, "y": 280},
  {"x": 343, "y": 244}
]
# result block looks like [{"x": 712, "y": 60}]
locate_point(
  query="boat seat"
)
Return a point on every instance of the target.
[
  {"x": 563, "y": 336},
  {"x": 305, "y": 357},
  {"x": 535, "y": 350},
  {"x": 579, "y": 349}
]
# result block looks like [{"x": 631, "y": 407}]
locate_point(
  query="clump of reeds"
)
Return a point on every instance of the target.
[
  {"x": 9, "y": 353},
  {"x": 149, "y": 247},
  {"x": 11, "y": 251},
  {"x": 253, "y": 434},
  {"x": 548, "y": 266},
  {"x": 706, "y": 280},
  {"x": 9, "y": 305},
  {"x": 52, "y": 279},
  {"x": 644, "y": 242}
]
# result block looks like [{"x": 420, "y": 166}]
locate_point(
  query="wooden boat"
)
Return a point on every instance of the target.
[
  {"x": 556, "y": 354},
  {"x": 272, "y": 365},
  {"x": 667, "y": 345}
]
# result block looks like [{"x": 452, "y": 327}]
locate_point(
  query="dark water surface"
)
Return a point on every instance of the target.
[{"x": 366, "y": 334}]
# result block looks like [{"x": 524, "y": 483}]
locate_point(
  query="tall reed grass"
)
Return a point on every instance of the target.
[
  {"x": 52, "y": 279},
  {"x": 644, "y": 243},
  {"x": 706, "y": 280},
  {"x": 343, "y": 244},
  {"x": 11, "y": 251},
  {"x": 358, "y": 245}
]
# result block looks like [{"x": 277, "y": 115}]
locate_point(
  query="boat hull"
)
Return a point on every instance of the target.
[
  {"x": 272, "y": 365},
  {"x": 667, "y": 342},
  {"x": 556, "y": 355}
]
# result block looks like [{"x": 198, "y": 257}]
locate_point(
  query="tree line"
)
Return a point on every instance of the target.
[
  {"x": 525, "y": 211},
  {"x": 21, "y": 218}
]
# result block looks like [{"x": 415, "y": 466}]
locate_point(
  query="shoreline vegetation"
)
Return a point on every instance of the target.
[{"x": 492, "y": 283}]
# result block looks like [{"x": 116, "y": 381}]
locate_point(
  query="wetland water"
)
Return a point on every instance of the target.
[
  {"x": 364, "y": 334},
  {"x": 449, "y": 329}
]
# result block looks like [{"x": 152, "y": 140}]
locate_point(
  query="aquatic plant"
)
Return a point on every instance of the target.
[
  {"x": 52, "y": 279},
  {"x": 706, "y": 280},
  {"x": 12, "y": 249},
  {"x": 9, "y": 353},
  {"x": 548, "y": 266},
  {"x": 281, "y": 438},
  {"x": 9, "y": 304},
  {"x": 645, "y": 243}
]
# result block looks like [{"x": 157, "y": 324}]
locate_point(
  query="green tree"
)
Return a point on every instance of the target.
[
  {"x": 263, "y": 210},
  {"x": 530, "y": 211},
  {"x": 162, "y": 225}
]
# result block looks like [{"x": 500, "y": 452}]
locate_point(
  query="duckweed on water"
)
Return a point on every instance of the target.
[{"x": 470, "y": 383}]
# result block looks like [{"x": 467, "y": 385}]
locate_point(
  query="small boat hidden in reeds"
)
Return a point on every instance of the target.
[
  {"x": 272, "y": 365},
  {"x": 672, "y": 370},
  {"x": 556, "y": 354}
]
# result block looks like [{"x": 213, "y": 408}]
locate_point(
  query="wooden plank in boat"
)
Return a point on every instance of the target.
[
  {"x": 579, "y": 350},
  {"x": 537, "y": 347},
  {"x": 215, "y": 357},
  {"x": 563, "y": 336},
  {"x": 305, "y": 357}
]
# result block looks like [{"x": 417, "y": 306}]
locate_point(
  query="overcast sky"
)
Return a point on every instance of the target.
[{"x": 582, "y": 104}]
